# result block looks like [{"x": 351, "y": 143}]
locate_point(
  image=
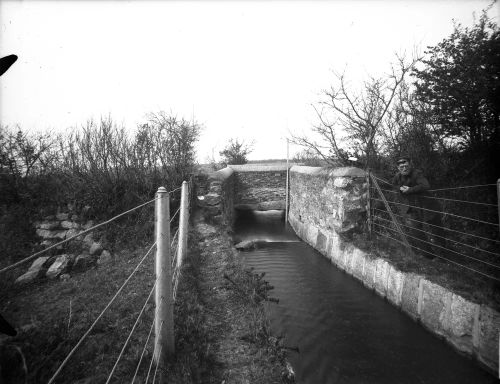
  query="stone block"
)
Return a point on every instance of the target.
[
  {"x": 341, "y": 259},
  {"x": 436, "y": 302},
  {"x": 342, "y": 182},
  {"x": 88, "y": 224},
  {"x": 73, "y": 232},
  {"x": 105, "y": 258},
  {"x": 51, "y": 234},
  {"x": 88, "y": 240},
  {"x": 62, "y": 216},
  {"x": 369, "y": 272},
  {"x": 358, "y": 264},
  {"x": 271, "y": 205},
  {"x": 39, "y": 263},
  {"x": 44, "y": 233},
  {"x": 311, "y": 234},
  {"x": 410, "y": 294},
  {"x": 294, "y": 222},
  {"x": 215, "y": 187},
  {"x": 459, "y": 323},
  {"x": 213, "y": 209},
  {"x": 35, "y": 270},
  {"x": 352, "y": 172},
  {"x": 246, "y": 245},
  {"x": 380, "y": 276},
  {"x": 212, "y": 199},
  {"x": 95, "y": 249},
  {"x": 350, "y": 258},
  {"x": 61, "y": 235},
  {"x": 28, "y": 277},
  {"x": 58, "y": 267},
  {"x": 69, "y": 224},
  {"x": 488, "y": 328},
  {"x": 302, "y": 231},
  {"x": 321, "y": 242},
  {"x": 47, "y": 243},
  {"x": 395, "y": 284},
  {"x": 333, "y": 251},
  {"x": 49, "y": 225}
]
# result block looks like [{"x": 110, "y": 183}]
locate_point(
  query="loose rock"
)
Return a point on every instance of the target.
[
  {"x": 96, "y": 249},
  {"x": 49, "y": 225},
  {"x": 58, "y": 267},
  {"x": 34, "y": 271},
  {"x": 62, "y": 216},
  {"x": 88, "y": 240},
  {"x": 105, "y": 258},
  {"x": 246, "y": 245},
  {"x": 69, "y": 224}
]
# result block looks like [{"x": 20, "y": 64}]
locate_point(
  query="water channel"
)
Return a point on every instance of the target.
[{"x": 345, "y": 332}]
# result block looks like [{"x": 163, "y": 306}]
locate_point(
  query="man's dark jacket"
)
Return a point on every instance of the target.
[{"x": 417, "y": 196}]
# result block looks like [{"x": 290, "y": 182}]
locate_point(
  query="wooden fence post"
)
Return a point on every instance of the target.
[
  {"x": 164, "y": 316},
  {"x": 183, "y": 224}
]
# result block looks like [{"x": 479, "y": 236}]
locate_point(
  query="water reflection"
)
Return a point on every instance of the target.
[{"x": 345, "y": 333}]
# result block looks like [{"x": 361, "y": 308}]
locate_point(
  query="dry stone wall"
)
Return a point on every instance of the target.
[
  {"x": 79, "y": 254},
  {"x": 325, "y": 205},
  {"x": 218, "y": 203}
]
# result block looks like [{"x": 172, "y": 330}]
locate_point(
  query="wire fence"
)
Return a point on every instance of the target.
[
  {"x": 458, "y": 225},
  {"x": 175, "y": 254}
]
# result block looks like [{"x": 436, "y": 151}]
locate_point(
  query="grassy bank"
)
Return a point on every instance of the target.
[
  {"x": 243, "y": 349},
  {"x": 221, "y": 331}
]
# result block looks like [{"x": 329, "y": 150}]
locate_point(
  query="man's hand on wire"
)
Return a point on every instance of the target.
[{"x": 404, "y": 189}]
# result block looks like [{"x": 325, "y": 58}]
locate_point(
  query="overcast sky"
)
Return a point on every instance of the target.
[{"x": 244, "y": 69}]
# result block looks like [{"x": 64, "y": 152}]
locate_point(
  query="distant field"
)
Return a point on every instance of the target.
[{"x": 267, "y": 161}]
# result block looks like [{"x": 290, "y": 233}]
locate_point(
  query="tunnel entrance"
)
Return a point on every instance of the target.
[{"x": 344, "y": 332}]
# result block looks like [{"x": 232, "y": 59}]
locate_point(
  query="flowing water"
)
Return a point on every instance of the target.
[{"x": 345, "y": 332}]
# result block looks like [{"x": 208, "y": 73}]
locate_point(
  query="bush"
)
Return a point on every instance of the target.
[{"x": 100, "y": 165}]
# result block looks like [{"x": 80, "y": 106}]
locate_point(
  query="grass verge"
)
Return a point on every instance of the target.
[{"x": 216, "y": 337}]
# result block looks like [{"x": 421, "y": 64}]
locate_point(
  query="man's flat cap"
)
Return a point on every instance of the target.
[{"x": 402, "y": 159}]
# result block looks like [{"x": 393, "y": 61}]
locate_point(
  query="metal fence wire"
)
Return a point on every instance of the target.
[
  {"x": 169, "y": 253},
  {"x": 464, "y": 230}
]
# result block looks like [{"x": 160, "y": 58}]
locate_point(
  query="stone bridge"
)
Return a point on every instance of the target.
[
  {"x": 259, "y": 187},
  {"x": 242, "y": 187}
]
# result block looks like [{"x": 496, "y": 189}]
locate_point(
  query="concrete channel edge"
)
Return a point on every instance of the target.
[{"x": 471, "y": 328}]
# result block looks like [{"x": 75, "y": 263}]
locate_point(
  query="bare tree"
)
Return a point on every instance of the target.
[{"x": 350, "y": 121}]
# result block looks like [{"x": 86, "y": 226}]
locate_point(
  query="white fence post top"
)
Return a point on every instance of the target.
[{"x": 162, "y": 190}]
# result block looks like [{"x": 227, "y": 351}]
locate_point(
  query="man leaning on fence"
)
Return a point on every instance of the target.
[{"x": 417, "y": 209}]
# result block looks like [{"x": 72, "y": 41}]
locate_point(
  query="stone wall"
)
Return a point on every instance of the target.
[
  {"x": 218, "y": 203},
  {"x": 247, "y": 187},
  {"x": 325, "y": 205},
  {"x": 260, "y": 187},
  {"x": 81, "y": 253},
  {"x": 333, "y": 200}
]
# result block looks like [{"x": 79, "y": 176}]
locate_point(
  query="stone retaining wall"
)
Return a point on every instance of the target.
[
  {"x": 325, "y": 205},
  {"x": 218, "y": 203}
]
